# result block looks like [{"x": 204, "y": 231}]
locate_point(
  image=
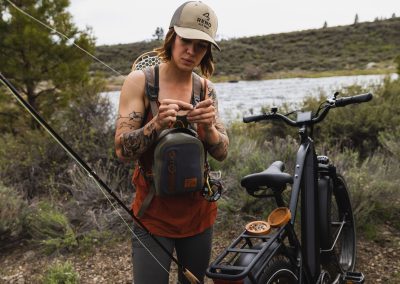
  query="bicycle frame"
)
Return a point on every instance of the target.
[{"x": 306, "y": 183}]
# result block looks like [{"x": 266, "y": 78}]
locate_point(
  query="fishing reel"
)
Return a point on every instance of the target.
[{"x": 212, "y": 190}]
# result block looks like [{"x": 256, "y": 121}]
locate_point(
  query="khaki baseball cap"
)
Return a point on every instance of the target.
[{"x": 195, "y": 20}]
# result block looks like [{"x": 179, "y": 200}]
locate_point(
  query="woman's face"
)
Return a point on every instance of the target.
[{"x": 188, "y": 53}]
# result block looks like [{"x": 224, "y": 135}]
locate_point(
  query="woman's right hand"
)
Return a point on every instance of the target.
[{"x": 168, "y": 111}]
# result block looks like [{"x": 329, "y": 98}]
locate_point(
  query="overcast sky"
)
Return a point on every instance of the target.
[{"x": 126, "y": 21}]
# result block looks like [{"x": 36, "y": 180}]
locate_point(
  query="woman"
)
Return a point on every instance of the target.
[{"x": 182, "y": 222}]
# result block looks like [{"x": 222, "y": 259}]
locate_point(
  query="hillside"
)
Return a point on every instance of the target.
[{"x": 361, "y": 46}]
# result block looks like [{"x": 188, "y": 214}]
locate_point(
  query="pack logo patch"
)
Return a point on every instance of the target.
[{"x": 190, "y": 182}]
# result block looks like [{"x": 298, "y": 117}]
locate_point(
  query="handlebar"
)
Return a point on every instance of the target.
[
  {"x": 353, "y": 100},
  {"x": 269, "y": 116},
  {"x": 330, "y": 103}
]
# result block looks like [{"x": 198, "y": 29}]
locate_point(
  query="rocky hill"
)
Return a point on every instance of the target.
[{"x": 359, "y": 46}]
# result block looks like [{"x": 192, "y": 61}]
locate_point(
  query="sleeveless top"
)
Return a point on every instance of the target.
[{"x": 172, "y": 216}]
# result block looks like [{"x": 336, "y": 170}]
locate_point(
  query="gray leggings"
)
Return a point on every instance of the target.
[{"x": 192, "y": 252}]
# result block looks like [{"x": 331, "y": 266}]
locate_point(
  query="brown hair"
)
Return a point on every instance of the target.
[{"x": 165, "y": 53}]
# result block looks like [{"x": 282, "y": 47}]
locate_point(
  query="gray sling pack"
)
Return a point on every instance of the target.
[{"x": 179, "y": 156}]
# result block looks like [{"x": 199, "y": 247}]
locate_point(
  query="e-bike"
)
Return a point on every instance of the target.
[{"x": 273, "y": 251}]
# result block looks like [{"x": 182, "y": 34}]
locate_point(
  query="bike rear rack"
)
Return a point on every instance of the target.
[{"x": 246, "y": 256}]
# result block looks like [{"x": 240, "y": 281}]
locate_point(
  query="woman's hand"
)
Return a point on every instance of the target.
[
  {"x": 203, "y": 114},
  {"x": 168, "y": 111}
]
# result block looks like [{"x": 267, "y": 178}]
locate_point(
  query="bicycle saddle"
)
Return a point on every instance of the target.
[{"x": 273, "y": 178}]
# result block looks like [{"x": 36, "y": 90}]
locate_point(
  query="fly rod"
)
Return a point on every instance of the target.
[{"x": 91, "y": 173}]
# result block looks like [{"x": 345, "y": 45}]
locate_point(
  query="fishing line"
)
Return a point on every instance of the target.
[
  {"x": 90, "y": 173},
  {"x": 64, "y": 36}
]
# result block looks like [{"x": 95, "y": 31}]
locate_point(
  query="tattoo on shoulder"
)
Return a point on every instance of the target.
[{"x": 211, "y": 92}]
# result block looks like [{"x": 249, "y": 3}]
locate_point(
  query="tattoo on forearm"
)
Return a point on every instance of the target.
[
  {"x": 218, "y": 150},
  {"x": 132, "y": 121},
  {"x": 126, "y": 125},
  {"x": 135, "y": 143},
  {"x": 150, "y": 129},
  {"x": 135, "y": 116}
]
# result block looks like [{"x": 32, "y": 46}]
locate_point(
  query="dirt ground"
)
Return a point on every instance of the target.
[{"x": 379, "y": 260}]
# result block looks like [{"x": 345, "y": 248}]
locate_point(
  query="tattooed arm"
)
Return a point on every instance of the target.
[
  {"x": 211, "y": 128},
  {"x": 132, "y": 140}
]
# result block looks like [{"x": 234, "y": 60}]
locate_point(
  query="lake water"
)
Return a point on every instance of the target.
[{"x": 240, "y": 99}]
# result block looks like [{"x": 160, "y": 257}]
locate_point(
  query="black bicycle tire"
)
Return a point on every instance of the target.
[
  {"x": 344, "y": 260},
  {"x": 278, "y": 266},
  {"x": 325, "y": 188}
]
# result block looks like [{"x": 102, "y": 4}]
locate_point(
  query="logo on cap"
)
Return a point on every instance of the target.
[{"x": 204, "y": 22}]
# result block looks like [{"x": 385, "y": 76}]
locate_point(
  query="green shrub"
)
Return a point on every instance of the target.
[
  {"x": 373, "y": 184},
  {"x": 61, "y": 273},
  {"x": 12, "y": 215},
  {"x": 34, "y": 164},
  {"x": 25, "y": 161},
  {"x": 89, "y": 208},
  {"x": 93, "y": 239},
  {"x": 50, "y": 228},
  {"x": 390, "y": 141},
  {"x": 251, "y": 72}
]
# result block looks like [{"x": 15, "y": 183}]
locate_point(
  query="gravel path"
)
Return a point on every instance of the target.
[{"x": 378, "y": 260}]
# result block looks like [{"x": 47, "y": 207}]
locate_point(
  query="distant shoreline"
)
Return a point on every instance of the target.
[
  {"x": 114, "y": 83},
  {"x": 247, "y": 97}
]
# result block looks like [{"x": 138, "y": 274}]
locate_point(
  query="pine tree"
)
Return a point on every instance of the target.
[
  {"x": 356, "y": 19},
  {"x": 38, "y": 61},
  {"x": 159, "y": 33}
]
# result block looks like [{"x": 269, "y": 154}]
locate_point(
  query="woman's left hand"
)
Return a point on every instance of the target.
[
  {"x": 203, "y": 114},
  {"x": 209, "y": 127}
]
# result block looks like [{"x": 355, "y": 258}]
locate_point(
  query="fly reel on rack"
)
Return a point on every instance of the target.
[{"x": 277, "y": 218}]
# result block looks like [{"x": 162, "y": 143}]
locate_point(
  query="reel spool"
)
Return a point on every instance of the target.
[
  {"x": 258, "y": 228},
  {"x": 277, "y": 218}
]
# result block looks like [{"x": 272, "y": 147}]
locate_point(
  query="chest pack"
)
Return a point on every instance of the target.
[{"x": 179, "y": 161}]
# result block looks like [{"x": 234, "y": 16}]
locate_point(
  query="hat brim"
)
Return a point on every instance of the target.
[{"x": 195, "y": 34}]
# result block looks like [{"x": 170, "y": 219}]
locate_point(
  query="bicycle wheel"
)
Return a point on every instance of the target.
[
  {"x": 279, "y": 270},
  {"x": 337, "y": 230}
]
